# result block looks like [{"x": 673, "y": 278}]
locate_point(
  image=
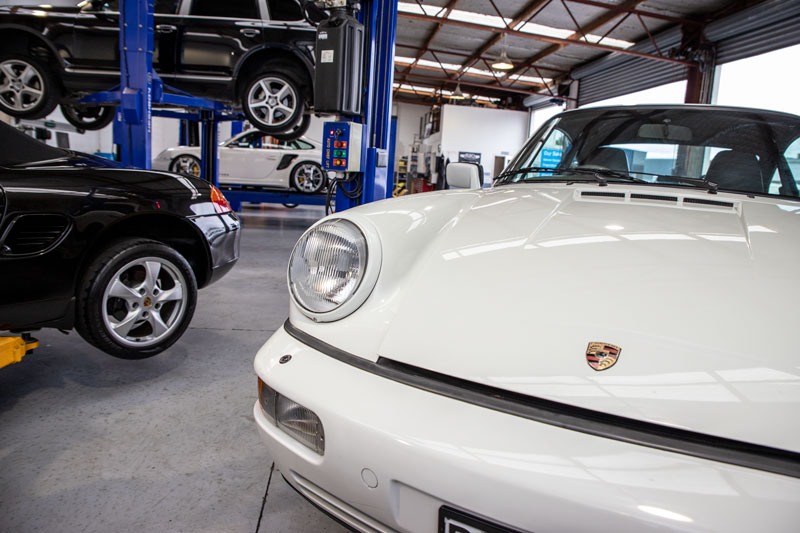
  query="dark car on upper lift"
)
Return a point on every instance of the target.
[
  {"x": 116, "y": 253},
  {"x": 255, "y": 54}
]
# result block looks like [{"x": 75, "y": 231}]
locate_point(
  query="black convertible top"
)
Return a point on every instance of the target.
[{"x": 17, "y": 148}]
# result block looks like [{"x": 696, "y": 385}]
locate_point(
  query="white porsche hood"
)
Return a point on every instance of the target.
[{"x": 512, "y": 289}]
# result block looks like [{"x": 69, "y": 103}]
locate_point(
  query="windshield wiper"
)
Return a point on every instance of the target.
[
  {"x": 710, "y": 186},
  {"x": 602, "y": 175}
]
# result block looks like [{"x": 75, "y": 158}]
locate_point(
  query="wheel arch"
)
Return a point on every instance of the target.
[
  {"x": 175, "y": 231},
  {"x": 279, "y": 54},
  {"x": 26, "y": 39}
]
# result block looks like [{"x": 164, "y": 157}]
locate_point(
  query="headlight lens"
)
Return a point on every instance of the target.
[{"x": 327, "y": 265}]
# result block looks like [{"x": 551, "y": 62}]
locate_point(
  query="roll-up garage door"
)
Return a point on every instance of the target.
[{"x": 768, "y": 26}]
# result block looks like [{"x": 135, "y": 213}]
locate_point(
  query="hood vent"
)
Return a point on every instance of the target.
[
  {"x": 33, "y": 234},
  {"x": 676, "y": 201},
  {"x": 703, "y": 201},
  {"x": 654, "y": 197},
  {"x": 602, "y": 194}
]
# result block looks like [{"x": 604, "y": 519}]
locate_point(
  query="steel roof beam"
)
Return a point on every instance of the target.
[
  {"x": 441, "y": 82},
  {"x": 489, "y": 76},
  {"x": 621, "y": 8},
  {"x": 545, "y": 38},
  {"x": 447, "y": 10},
  {"x": 467, "y": 54},
  {"x": 528, "y": 11},
  {"x": 586, "y": 28}
]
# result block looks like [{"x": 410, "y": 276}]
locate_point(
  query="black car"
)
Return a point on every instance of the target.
[
  {"x": 256, "y": 54},
  {"x": 116, "y": 253}
]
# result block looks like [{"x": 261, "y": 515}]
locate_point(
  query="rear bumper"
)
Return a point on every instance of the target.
[
  {"x": 427, "y": 450},
  {"x": 223, "y": 233}
]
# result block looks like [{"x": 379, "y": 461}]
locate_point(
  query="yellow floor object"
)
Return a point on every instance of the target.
[{"x": 13, "y": 349}]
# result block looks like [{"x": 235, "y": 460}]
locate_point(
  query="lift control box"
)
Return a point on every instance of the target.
[{"x": 341, "y": 146}]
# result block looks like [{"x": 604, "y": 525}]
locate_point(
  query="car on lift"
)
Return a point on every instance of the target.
[
  {"x": 116, "y": 253},
  {"x": 604, "y": 339},
  {"x": 255, "y": 54},
  {"x": 254, "y": 159}
]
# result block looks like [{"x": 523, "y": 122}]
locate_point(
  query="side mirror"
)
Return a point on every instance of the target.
[{"x": 464, "y": 175}]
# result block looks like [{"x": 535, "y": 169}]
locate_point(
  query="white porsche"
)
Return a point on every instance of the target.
[
  {"x": 256, "y": 159},
  {"x": 602, "y": 341}
]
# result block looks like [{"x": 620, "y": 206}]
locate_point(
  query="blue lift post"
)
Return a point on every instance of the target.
[
  {"x": 140, "y": 88},
  {"x": 380, "y": 29}
]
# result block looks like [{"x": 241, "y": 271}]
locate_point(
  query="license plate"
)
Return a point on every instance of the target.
[{"x": 455, "y": 521}]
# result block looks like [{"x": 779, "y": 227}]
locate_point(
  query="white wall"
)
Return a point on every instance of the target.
[
  {"x": 408, "y": 116},
  {"x": 492, "y": 132}
]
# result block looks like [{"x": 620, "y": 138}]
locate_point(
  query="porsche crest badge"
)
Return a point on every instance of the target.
[{"x": 601, "y": 355}]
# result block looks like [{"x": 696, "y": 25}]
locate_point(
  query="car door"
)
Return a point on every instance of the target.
[
  {"x": 95, "y": 36},
  {"x": 37, "y": 281},
  {"x": 248, "y": 159},
  {"x": 216, "y": 34}
]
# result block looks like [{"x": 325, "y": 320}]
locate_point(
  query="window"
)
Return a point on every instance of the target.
[
  {"x": 251, "y": 140},
  {"x": 736, "y": 150},
  {"x": 239, "y": 9},
  {"x": 285, "y": 10},
  {"x": 301, "y": 145},
  {"x": 791, "y": 170},
  {"x": 167, "y": 7},
  {"x": 553, "y": 149},
  {"x": 94, "y": 6}
]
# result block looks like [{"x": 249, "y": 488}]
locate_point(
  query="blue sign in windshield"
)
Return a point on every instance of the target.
[{"x": 551, "y": 158}]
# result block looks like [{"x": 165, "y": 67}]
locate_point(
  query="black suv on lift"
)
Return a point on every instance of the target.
[{"x": 256, "y": 54}]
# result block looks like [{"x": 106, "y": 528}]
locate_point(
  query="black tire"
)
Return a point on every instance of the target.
[
  {"x": 308, "y": 177},
  {"x": 186, "y": 165},
  {"x": 88, "y": 117},
  {"x": 17, "y": 99},
  {"x": 290, "y": 206},
  {"x": 298, "y": 131},
  {"x": 116, "y": 285},
  {"x": 285, "y": 108}
]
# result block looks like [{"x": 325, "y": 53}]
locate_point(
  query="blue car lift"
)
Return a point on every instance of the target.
[{"x": 141, "y": 89}]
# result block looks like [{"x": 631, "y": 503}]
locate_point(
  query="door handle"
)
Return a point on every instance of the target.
[
  {"x": 249, "y": 32},
  {"x": 166, "y": 28}
]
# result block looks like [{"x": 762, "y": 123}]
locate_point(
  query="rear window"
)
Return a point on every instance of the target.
[
  {"x": 285, "y": 10},
  {"x": 19, "y": 148},
  {"x": 239, "y": 9}
]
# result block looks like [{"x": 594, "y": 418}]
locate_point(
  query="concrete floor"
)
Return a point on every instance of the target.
[{"x": 93, "y": 443}]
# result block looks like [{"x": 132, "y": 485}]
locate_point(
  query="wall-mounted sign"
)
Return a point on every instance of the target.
[{"x": 469, "y": 157}]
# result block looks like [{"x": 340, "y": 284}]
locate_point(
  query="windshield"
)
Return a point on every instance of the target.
[{"x": 741, "y": 150}]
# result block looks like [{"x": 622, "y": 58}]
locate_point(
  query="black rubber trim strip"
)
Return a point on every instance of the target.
[{"x": 686, "y": 442}]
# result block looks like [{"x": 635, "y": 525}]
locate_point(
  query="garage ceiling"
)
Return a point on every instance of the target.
[{"x": 443, "y": 43}]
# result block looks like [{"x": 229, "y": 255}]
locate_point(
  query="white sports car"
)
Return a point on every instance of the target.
[
  {"x": 254, "y": 158},
  {"x": 602, "y": 341}
]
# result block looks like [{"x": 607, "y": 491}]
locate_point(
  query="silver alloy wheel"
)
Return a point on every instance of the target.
[
  {"x": 21, "y": 85},
  {"x": 186, "y": 165},
  {"x": 144, "y": 302},
  {"x": 308, "y": 177},
  {"x": 272, "y": 101}
]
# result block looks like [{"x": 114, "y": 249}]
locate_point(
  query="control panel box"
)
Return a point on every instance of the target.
[{"x": 341, "y": 146}]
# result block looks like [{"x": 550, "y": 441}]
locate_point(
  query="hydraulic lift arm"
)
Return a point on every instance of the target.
[{"x": 13, "y": 349}]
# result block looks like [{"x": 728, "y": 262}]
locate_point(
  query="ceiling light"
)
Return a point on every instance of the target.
[
  {"x": 457, "y": 94},
  {"x": 504, "y": 63}
]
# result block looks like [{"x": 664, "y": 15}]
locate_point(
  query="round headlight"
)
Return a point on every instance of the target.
[{"x": 327, "y": 266}]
